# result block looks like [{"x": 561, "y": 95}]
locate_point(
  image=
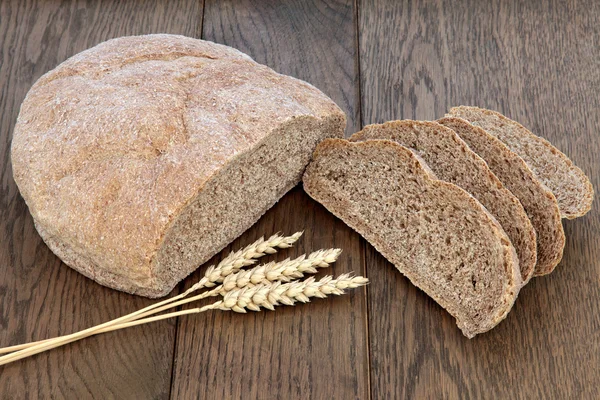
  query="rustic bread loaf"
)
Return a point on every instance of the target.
[
  {"x": 144, "y": 156},
  {"x": 539, "y": 202},
  {"x": 434, "y": 232},
  {"x": 572, "y": 189},
  {"x": 453, "y": 161}
]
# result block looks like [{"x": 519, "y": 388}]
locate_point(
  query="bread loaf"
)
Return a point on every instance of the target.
[
  {"x": 451, "y": 160},
  {"x": 434, "y": 232},
  {"x": 572, "y": 189},
  {"x": 144, "y": 156},
  {"x": 539, "y": 202}
]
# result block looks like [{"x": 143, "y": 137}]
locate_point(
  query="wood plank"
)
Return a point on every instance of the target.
[
  {"x": 537, "y": 62},
  {"x": 39, "y": 296},
  {"x": 318, "y": 350}
]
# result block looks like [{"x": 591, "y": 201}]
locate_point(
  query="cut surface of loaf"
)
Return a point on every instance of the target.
[
  {"x": 144, "y": 156},
  {"x": 434, "y": 232},
  {"x": 451, "y": 160},
  {"x": 539, "y": 202},
  {"x": 571, "y": 187}
]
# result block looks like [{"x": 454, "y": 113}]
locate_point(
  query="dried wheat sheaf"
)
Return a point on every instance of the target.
[{"x": 263, "y": 286}]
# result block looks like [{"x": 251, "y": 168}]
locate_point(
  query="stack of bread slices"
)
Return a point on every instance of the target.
[{"x": 468, "y": 207}]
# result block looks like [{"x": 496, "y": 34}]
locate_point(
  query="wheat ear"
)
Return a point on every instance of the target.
[
  {"x": 214, "y": 274},
  {"x": 264, "y": 295},
  {"x": 273, "y": 294},
  {"x": 242, "y": 258},
  {"x": 281, "y": 271},
  {"x": 284, "y": 271}
]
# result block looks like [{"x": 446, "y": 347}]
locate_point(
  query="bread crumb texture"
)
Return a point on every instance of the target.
[
  {"x": 537, "y": 200},
  {"x": 451, "y": 160},
  {"x": 434, "y": 232},
  {"x": 113, "y": 149},
  {"x": 569, "y": 184}
]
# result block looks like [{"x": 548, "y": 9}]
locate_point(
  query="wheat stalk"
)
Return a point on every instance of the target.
[
  {"x": 284, "y": 271},
  {"x": 233, "y": 263},
  {"x": 281, "y": 271},
  {"x": 242, "y": 258},
  {"x": 263, "y": 295}
]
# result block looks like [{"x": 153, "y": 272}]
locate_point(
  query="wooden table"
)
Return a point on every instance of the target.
[{"x": 536, "y": 61}]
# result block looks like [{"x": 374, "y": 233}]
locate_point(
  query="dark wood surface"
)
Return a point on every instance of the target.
[
  {"x": 537, "y": 61},
  {"x": 320, "y": 349},
  {"x": 39, "y": 296}
]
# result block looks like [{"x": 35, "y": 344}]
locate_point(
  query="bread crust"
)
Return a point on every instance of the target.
[{"x": 113, "y": 144}]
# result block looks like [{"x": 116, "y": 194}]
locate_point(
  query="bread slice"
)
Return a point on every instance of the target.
[
  {"x": 539, "y": 202},
  {"x": 453, "y": 161},
  {"x": 572, "y": 189},
  {"x": 434, "y": 232}
]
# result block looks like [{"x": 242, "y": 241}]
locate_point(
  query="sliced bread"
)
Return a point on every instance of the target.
[
  {"x": 451, "y": 160},
  {"x": 434, "y": 232},
  {"x": 572, "y": 189},
  {"x": 539, "y": 202}
]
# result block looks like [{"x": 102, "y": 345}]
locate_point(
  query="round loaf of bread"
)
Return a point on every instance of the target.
[{"x": 144, "y": 156}]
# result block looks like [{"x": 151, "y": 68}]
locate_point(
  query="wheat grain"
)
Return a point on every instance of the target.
[
  {"x": 243, "y": 258},
  {"x": 269, "y": 295},
  {"x": 284, "y": 271},
  {"x": 242, "y": 290},
  {"x": 214, "y": 274},
  {"x": 252, "y": 298}
]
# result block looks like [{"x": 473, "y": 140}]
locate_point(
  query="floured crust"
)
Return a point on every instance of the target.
[
  {"x": 539, "y": 202},
  {"x": 320, "y": 191},
  {"x": 113, "y": 143},
  {"x": 569, "y": 184}
]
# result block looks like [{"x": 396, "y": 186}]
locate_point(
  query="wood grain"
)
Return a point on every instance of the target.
[
  {"x": 318, "y": 350},
  {"x": 39, "y": 296},
  {"x": 537, "y": 62}
]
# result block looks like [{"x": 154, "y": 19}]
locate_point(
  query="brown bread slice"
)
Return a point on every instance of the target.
[
  {"x": 451, "y": 160},
  {"x": 539, "y": 202},
  {"x": 572, "y": 189},
  {"x": 434, "y": 232}
]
